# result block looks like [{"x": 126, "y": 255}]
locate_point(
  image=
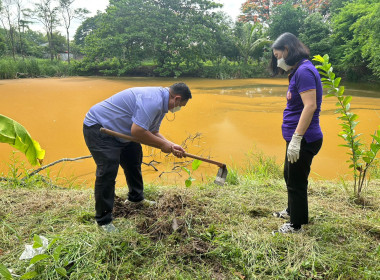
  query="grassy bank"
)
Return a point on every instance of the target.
[
  {"x": 35, "y": 67},
  {"x": 201, "y": 232},
  {"x": 32, "y": 68}
]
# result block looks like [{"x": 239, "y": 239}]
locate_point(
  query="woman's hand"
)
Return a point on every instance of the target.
[{"x": 294, "y": 148}]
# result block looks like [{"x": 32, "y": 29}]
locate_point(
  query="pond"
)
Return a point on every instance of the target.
[{"x": 227, "y": 119}]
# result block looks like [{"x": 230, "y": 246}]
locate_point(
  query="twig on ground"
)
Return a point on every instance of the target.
[{"x": 51, "y": 164}]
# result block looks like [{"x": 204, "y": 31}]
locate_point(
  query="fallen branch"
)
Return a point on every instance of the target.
[
  {"x": 51, "y": 164},
  {"x": 151, "y": 163}
]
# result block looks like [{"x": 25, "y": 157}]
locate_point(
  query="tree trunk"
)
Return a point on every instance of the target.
[{"x": 68, "y": 46}]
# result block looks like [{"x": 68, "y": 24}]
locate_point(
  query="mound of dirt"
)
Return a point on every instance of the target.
[{"x": 174, "y": 213}]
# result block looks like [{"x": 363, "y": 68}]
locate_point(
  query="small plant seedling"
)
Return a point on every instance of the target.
[{"x": 194, "y": 166}]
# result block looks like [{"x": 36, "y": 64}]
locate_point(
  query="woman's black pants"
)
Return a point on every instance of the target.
[
  {"x": 296, "y": 177},
  {"x": 108, "y": 154}
]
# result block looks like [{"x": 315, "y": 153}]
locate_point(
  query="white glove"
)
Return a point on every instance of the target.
[{"x": 294, "y": 148}]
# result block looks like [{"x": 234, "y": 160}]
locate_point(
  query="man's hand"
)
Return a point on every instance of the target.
[
  {"x": 167, "y": 147},
  {"x": 294, "y": 148},
  {"x": 178, "y": 151}
]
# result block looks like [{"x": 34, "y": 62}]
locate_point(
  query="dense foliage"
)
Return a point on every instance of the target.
[{"x": 193, "y": 37}]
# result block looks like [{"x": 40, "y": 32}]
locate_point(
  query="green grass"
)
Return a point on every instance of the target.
[
  {"x": 220, "y": 232},
  {"x": 31, "y": 68}
]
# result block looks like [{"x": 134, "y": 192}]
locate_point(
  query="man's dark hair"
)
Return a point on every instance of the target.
[
  {"x": 296, "y": 50},
  {"x": 181, "y": 89}
]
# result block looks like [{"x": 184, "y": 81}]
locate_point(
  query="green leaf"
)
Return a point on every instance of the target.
[
  {"x": 195, "y": 164},
  {"x": 57, "y": 253},
  {"x": 38, "y": 258},
  {"x": 337, "y": 82},
  {"x": 61, "y": 271},
  {"x": 326, "y": 58},
  {"x": 347, "y": 100},
  {"x": 318, "y": 58},
  {"x": 37, "y": 241},
  {"x": 329, "y": 95},
  {"x": 14, "y": 134},
  {"x": 52, "y": 243},
  {"x": 375, "y": 147},
  {"x": 29, "y": 275},
  {"x": 187, "y": 170},
  {"x": 354, "y": 117},
  {"x": 5, "y": 272},
  {"x": 188, "y": 183},
  {"x": 377, "y": 138},
  {"x": 367, "y": 160}
]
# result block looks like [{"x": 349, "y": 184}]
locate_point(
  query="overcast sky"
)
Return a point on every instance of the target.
[{"x": 231, "y": 7}]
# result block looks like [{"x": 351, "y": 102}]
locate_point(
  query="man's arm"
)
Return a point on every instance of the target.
[{"x": 155, "y": 140}]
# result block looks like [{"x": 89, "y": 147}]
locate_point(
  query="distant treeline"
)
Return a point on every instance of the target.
[{"x": 173, "y": 38}]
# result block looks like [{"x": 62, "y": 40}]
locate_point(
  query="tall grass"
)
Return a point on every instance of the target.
[{"x": 31, "y": 68}]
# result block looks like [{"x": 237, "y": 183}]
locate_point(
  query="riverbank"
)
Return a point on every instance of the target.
[
  {"x": 36, "y": 67},
  {"x": 201, "y": 232}
]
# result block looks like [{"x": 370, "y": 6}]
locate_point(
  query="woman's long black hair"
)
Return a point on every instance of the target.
[{"x": 296, "y": 50}]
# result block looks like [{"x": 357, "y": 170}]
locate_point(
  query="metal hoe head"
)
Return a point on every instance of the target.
[{"x": 221, "y": 176}]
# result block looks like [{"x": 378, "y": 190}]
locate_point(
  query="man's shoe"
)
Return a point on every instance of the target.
[
  {"x": 286, "y": 228},
  {"x": 284, "y": 214},
  {"x": 143, "y": 203},
  {"x": 109, "y": 228}
]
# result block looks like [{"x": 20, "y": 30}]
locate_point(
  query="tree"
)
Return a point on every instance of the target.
[
  {"x": 173, "y": 32},
  {"x": 258, "y": 10},
  {"x": 7, "y": 17},
  {"x": 250, "y": 39},
  {"x": 367, "y": 32},
  {"x": 262, "y": 10},
  {"x": 315, "y": 33},
  {"x": 68, "y": 14},
  {"x": 22, "y": 24},
  {"x": 33, "y": 42},
  {"x": 87, "y": 27},
  {"x": 286, "y": 18},
  {"x": 3, "y": 45},
  {"x": 58, "y": 43},
  {"x": 46, "y": 13},
  {"x": 355, "y": 38}
]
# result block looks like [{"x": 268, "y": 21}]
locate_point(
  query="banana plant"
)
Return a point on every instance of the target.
[{"x": 14, "y": 134}]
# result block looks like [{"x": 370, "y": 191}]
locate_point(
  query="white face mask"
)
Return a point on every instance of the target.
[
  {"x": 175, "y": 109},
  {"x": 282, "y": 64}
]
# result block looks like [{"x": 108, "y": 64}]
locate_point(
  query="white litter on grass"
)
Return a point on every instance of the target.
[{"x": 30, "y": 252}]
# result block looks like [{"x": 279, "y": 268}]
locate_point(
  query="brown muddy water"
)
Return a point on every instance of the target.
[{"x": 233, "y": 117}]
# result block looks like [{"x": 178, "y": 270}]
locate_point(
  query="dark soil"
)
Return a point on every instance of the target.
[{"x": 173, "y": 213}]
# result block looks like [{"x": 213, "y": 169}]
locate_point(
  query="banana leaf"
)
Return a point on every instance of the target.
[{"x": 18, "y": 137}]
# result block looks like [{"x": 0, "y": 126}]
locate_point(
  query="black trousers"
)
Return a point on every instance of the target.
[
  {"x": 296, "y": 177},
  {"x": 108, "y": 154}
]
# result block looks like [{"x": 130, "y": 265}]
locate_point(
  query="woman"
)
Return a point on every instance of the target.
[{"x": 300, "y": 127}]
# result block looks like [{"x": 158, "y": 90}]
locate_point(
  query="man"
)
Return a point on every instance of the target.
[{"x": 137, "y": 112}]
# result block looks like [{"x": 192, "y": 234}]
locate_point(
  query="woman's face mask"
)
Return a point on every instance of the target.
[{"x": 282, "y": 64}]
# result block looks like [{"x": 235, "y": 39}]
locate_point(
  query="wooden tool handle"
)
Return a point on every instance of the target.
[
  {"x": 117, "y": 134},
  {"x": 205, "y": 160},
  {"x": 130, "y": 138}
]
